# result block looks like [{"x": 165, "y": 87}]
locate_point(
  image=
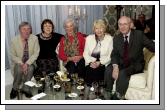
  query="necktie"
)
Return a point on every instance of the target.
[
  {"x": 126, "y": 52},
  {"x": 25, "y": 53}
]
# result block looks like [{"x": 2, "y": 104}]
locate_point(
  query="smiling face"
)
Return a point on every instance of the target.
[
  {"x": 25, "y": 31},
  {"x": 47, "y": 28},
  {"x": 124, "y": 25},
  {"x": 69, "y": 28},
  {"x": 99, "y": 28},
  {"x": 99, "y": 31}
]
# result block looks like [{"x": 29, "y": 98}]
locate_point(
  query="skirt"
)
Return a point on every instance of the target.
[{"x": 47, "y": 65}]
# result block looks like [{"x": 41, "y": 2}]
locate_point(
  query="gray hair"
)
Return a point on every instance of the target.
[
  {"x": 24, "y": 23},
  {"x": 69, "y": 20}
]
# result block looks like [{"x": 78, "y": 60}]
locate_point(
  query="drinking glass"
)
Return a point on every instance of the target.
[
  {"x": 37, "y": 78},
  {"x": 95, "y": 85},
  {"x": 74, "y": 78},
  {"x": 80, "y": 81}
]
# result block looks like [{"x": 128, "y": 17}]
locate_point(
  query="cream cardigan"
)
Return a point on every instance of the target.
[
  {"x": 105, "y": 51},
  {"x": 17, "y": 50}
]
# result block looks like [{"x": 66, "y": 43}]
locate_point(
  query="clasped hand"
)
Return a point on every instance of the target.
[
  {"x": 24, "y": 68},
  {"x": 75, "y": 59},
  {"x": 95, "y": 64}
]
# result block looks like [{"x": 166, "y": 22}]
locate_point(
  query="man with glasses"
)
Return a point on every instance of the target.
[{"x": 127, "y": 57}]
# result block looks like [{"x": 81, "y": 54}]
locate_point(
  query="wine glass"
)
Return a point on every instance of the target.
[
  {"x": 37, "y": 78},
  {"x": 80, "y": 81},
  {"x": 51, "y": 75},
  {"x": 101, "y": 83},
  {"x": 95, "y": 85},
  {"x": 66, "y": 74},
  {"x": 47, "y": 81},
  {"x": 101, "y": 89},
  {"x": 74, "y": 78},
  {"x": 56, "y": 79}
]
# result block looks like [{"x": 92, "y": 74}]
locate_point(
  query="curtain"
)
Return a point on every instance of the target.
[{"x": 34, "y": 14}]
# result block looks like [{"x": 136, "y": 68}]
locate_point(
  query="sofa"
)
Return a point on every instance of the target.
[{"x": 141, "y": 85}]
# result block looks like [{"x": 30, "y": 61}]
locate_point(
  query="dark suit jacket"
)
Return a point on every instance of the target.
[{"x": 137, "y": 41}]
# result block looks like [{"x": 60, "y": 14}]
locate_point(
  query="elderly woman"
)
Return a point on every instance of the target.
[
  {"x": 98, "y": 48},
  {"x": 47, "y": 61},
  {"x": 71, "y": 49}
]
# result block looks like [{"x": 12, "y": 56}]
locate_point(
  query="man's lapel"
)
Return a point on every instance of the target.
[{"x": 131, "y": 39}]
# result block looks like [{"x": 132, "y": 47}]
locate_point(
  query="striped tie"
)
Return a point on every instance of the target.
[{"x": 25, "y": 54}]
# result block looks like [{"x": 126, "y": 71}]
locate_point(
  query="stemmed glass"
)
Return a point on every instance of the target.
[
  {"x": 80, "y": 87},
  {"x": 56, "y": 79},
  {"x": 37, "y": 78},
  {"x": 74, "y": 78},
  {"x": 80, "y": 81},
  {"x": 101, "y": 89},
  {"x": 95, "y": 86},
  {"x": 51, "y": 75}
]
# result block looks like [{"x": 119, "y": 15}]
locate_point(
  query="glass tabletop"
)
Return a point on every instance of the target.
[{"x": 69, "y": 89}]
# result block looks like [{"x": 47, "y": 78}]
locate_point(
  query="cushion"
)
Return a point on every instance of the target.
[
  {"x": 138, "y": 80},
  {"x": 147, "y": 56}
]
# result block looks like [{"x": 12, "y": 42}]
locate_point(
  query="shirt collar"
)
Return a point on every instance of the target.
[{"x": 127, "y": 35}]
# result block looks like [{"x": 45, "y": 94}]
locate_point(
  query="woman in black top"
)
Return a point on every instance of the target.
[{"x": 47, "y": 61}]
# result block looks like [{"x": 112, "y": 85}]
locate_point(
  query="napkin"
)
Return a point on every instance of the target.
[
  {"x": 38, "y": 96},
  {"x": 60, "y": 73},
  {"x": 29, "y": 83}
]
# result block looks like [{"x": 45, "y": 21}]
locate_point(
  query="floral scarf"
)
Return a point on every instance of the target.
[{"x": 71, "y": 49}]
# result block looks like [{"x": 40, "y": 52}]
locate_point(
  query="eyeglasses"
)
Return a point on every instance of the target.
[{"x": 123, "y": 24}]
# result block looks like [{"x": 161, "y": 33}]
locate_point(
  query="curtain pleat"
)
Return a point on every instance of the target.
[{"x": 34, "y": 14}]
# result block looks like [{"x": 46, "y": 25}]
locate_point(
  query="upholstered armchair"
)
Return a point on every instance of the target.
[{"x": 141, "y": 85}]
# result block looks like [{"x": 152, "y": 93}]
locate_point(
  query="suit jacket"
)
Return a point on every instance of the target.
[
  {"x": 105, "y": 51},
  {"x": 137, "y": 41},
  {"x": 17, "y": 50}
]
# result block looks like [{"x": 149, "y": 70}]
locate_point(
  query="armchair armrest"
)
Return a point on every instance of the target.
[{"x": 150, "y": 73}]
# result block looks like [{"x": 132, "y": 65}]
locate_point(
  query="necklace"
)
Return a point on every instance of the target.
[{"x": 45, "y": 38}]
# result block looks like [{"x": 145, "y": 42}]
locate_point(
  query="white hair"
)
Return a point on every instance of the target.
[{"x": 69, "y": 20}]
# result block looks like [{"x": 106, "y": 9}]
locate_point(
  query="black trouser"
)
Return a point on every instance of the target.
[
  {"x": 79, "y": 68},
  {"x": 122, "y": 82},
  {"x": 96, "y": 74}
]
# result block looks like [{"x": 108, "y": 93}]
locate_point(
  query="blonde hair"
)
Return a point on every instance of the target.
[{"x": 99, "y": 23}]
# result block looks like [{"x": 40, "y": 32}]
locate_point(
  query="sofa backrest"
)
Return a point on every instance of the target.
[{"x": 147, "y": 56}]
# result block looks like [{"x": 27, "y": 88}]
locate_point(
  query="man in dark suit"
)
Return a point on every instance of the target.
[{"x": 127, "y": 57}]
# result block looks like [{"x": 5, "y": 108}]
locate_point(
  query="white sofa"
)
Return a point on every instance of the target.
[{"x": 141, "y": 85}]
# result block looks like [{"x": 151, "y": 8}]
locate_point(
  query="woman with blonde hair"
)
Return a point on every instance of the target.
[{"x": 98, "y": 48}]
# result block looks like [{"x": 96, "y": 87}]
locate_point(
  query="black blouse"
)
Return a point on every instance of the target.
[{"x": 48, "y": 47}]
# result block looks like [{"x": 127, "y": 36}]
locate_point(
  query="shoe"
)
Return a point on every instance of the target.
[
  {"x": 114, "y": 97},
  {"x": 13, "y": 94},
  {"x": 27, "y": 94},
  {"x": 117, "y": 96}
]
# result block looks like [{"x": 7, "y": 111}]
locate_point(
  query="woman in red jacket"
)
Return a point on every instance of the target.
[{"x": 71, "y": 49}]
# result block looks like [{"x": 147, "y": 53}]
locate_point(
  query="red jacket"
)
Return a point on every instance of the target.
[{"x": 81, "y": 38}]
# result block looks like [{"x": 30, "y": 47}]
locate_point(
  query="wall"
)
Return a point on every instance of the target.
[{"x": 110, "y": 14}]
